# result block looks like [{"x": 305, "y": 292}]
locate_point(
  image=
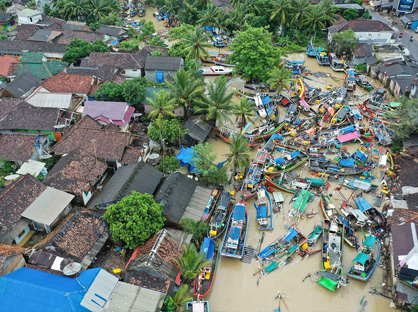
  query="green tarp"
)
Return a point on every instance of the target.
[
  {"x": 271, "y": 267},
  {"x": 361, "y": 258},
  {"x": 370, "y": 240},
  {"x": 327, "y": 283}
]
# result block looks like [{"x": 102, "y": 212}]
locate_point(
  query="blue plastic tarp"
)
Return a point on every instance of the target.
[
  {"x": 360, "y": 155},
  {"x": 276, "y": 136},
  {"x": 186, "y": 158},
  {"x": 279, "y": 161},
  {"x": 208, "y": 248},
  {"x": 347, "y": 162},
  {"x": 290, "y": 234},
  {"x": 261, "y": 211},
  {"x": 348, "y": 129},
  {"x": 266, "y": 100},
  {"x": 210, "y": 28},
  {"x": 362, "y": 204},
  {"x": 266, "y": 252},
  {"x": 295, "y": 154},
  {"x": 356, "y": 113},
  {"x": 235, "y": 233},
  {"x": 239, "y": 212}
]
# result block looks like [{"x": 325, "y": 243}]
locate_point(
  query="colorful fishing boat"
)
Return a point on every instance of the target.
[
  {"x": 290, "y": 158},
  {"x": 367, "y": 134},
  {"x": 256, "y": 136},
  {"x": 329, "y": 167},
  {"x": 236, "y": 232},
  {"x": 197, "y": 306},
  {"x": 285, "y": 101},
  {"x": 364, "y": 83},
  {"x": 264, "y": 208},
  {"x": 213, "y": 199},
  {"x": 371, "y": 212},
  {"x": 226, "y": 134},
  {"x": 336, "y": 64},
  {"x": 299, "y": 202},
  {"x": 350, "y": 80},
  {"x": 292, "y": 114},
  {"x": 216, "y": 71},
  {"x": 220, "y": 215},
  {"x": 330, "y": 213},
  {"x": 366, "y": 261},
  {"x": 252, "y": 179},
  {"x": 332, "y": 243},
  {"x": 204, "y": 280},
  {"x": 322, "y": 57},
  {"x": 302, "y": 88},
  {"x": 310, "y": 50}
]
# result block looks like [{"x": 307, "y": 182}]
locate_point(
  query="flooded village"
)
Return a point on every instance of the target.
[{"x": 208, "y": 156}]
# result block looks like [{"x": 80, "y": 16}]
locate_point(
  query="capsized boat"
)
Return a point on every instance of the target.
[
  {"x": 331, "y": 277},
  {"x": 372, "y": 213},
  {"x": 216, "y": 71},
  {"x": 264, "y": 208},
  {"x": 366, "y": 261},
  {"x": 236, "y": 232},
  {"x": 218, "y": 221},
  {"x": 204, "y": 280},
  {"x": 288, "y": 160}
]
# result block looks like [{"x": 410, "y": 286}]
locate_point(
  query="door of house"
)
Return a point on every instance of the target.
[{"x": 160, "y": 77}]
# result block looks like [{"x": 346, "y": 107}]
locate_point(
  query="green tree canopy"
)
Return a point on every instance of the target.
[
  {"x": 109, "y": 91},
  {"x": 172, "y": 130},
  {"x": 198, "y": 229},
  {"x": 244, "y": 110},
  {"x": 280, "y": 79},
  {"x": 134, "y": 219},
  {"x": 195, "y": 43},
  {"x": 133, "y": 90},
  {"x": 79, "y": 48},
  {"x": 344, "y": 42},
  {"x": 203, "y": 158},
  {"x": 405, "y": 117},
  {"x": 168, "y": 164},
  {"x": 350, "y": 14},
  {"x": 239, "y": 154},
  {"x": 190, "y": 263},
  {"x": 254, "y": 53}
]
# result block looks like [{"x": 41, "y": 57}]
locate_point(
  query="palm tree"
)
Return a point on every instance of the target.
[
  {"x": 190, "y": 263},
  {"x": 197, "y": 228},
  {"x": 300, "y": 9},
  {"x": 281, "y": 9},
  {"x": 315, "y": 19},
  {"x": 181, "y": 298},
  {"x": 280, "y": 79},
  {"x": 254, "y": 6},
  {"x": 210, "y": 15},
  {"x": 239, "y": 153},
  {"x": 163, "y": 105},
  {"x": 217, "y": 105},
  {"x": 98, "y": 9},
  {"x": 195, "y": 43},
  {"x": 243, "y": 110},
  {"x": 237, "y": 18},
  {"x": 74, "y": 9},
  {"x": 186, "y": 90}
]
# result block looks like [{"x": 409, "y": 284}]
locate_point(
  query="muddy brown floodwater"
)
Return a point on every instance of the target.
[{"x": 236, "y": 289}]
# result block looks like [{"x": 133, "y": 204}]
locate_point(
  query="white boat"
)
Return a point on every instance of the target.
[
  {"x": 260, "y": 106},
  {"x": 216, "y": 71}
]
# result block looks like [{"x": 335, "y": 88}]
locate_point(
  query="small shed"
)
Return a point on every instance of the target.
[
  {"x": 198, "y": 129},
  {"x": 161, "y": 68}
]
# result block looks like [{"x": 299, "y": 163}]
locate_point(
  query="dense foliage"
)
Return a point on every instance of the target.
[
  {"x": 79, "y": 48},
  {"x": 344, "y": 43},
  {"x": 168, "y": 164},
  {"x": 131, "y": 91},
  {"x": 405, "y": 117},
  {"x": 172, "y": 130},
  {"x": 134, "y": 219},
  {"x": 190, "y": 263},
  {"x": 197, "y": 228}
]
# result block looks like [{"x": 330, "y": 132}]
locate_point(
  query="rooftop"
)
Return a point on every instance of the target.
[
  {"x": 169, "y": 63},
  {"x": 361, "y": 25},
  {"x": 28, "y": 12},
  {"x": 118, "y": 113},
  {"x": 17, "y": 46},
  {"x": 23, "y": 85},
  {"x": 17, "y": 147},
  {"x": 5, "y": 64},
  {"x": 111, "y": 30},
  {"x": 119, "y": 60},
  {"x": 65, "y": 83}
]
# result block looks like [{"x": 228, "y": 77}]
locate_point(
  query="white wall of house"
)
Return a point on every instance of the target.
[
  {"x": 132, "y": 73},
  {"x": 376, "y": 38},
  {"x": 29, "y": 19}
]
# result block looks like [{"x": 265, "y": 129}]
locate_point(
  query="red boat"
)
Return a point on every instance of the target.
[{"x": 204, "y": 280}]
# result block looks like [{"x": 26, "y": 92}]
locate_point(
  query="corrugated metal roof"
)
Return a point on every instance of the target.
[
  {"x": 131, "y": 298},
  {"x": 54, "y": 100},
  {"x": 197, "y": 203},
  {"x": 32, "y": 167},
  {"x": 99, "y": 292},
  {"x": 48, "y": 206}
]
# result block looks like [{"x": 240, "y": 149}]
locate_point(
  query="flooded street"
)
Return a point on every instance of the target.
[{"x": 237, "y": 289}]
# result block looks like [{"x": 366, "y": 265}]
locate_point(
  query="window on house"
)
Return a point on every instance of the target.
[{"x": 21, "y": 233}]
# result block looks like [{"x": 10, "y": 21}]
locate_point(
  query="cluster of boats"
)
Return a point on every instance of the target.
[{"x": 133, "y": 8}]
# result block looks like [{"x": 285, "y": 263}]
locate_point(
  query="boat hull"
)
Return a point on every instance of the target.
[{"x": 206, "y": 284}]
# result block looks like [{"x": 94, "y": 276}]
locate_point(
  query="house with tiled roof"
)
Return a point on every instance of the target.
[
  {"x": 105, "y": 142},
  {"x": 28, "y": 205},
  {"x": 162, "y": 68},
  {"x": 27, "y": 118},
  {"x": 24, "y": 32},
  {"x": 367, "y": 31},
  {"x": 72, "y": 84},
  {"x": 38, "y": 65},
  {"x": 7, "y": 66},
  {"x": 16, "y": 48},
  {"x": 105, "y": 113},
  {"x": 65, "y": 36},
  {"x": 11, "y": 258},
  {"x": 18, "y": 147},
  {"x": 113, "y": 34},
  {"x": 7, "y": 22},
  {"x": 82, "y": 237},
  {"x": 78, "y": 173},
  {"x": 7, "y": 104},
  {"x": 151, "y": 265},
  {"x": 104, "y": 73}
]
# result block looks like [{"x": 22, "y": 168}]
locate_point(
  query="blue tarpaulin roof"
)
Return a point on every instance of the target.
[
  {"x": 361, "y": 258},
  {"x": 276, "y": 136},
  {"x": 295, "y": 154},
  {"x": 348, "y": 129},
  {"x": 356, "y": 113},
  {"x": 239, "y": 212},
  {"x": 208, "y": 248},
  {"x": 186, "y": 158},
  {"x": 37, "y": 291},
  {"x": 360, "y": 155},
  {"x": 266, "y": 100},
  {"x": 347, "y": 162},
  {"x": 362, "y": 204},
  {"x": 279, "y": 161},
  {"x": 262, "y": 211},
  {"x": 235, "y": 233},
  {"x": 290, "y": 234},
  {"x": 370, "y": 240},
  {"x": 266, "y": 251}
]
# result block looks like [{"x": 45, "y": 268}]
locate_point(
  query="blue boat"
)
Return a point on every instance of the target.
[
  {"x": 236, "y": 232},
  {"x": 322, "y": 57},
  {"x": 310, "y": 50},
  {"x": 371, "y": 212},
  {"x": 366, "y": 261},
  {"x": 264, "y": 209},
  {"x": 197, "y": 306},
  {"x": 350, "y": 80}
]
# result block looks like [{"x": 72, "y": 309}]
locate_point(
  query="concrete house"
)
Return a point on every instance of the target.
[
  {"x": 28, "y": 16},
  {"x": 161, "y": 68}
]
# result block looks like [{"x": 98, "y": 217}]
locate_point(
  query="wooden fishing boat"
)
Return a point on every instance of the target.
[
  {"x": 331, "y": 213},
  {"x": 341, "y": 115},
  {"x": 302, "y": 88},
  {"x": 314, "y": 236},
  {"x": 292, "y": 114},
  {"x": 299, "y": 202},
  {"x": 366, "y": 261},
  {"x": 286, "y": 101},
  {"x": 357, "y": 184},
  {"x": 280, "y": 251},
  {"x": 310, "y": 50},
  {"x": 261, "y": 135},
  {"x": 322, "y": 57},
  {"x": 216, "y": 71},
  {"x": 197, "y": 306},
  {"x": 264, "y": 208},
  {"x": 225, "y": 136},
  {"x": 261, "y": 108},
  {"x": 204, "y": 280},
  {"x": 290, "y": 158},
  {"x": 367, "y": 134},
  {"x": 306, "y": 109},
  {"x": 218, "y": 220},
  {"x": 332, "y": 244},
  {"x": 278, "y": 185},
  {"x": 364, "y": 83},
  {"x": 327, "y": 166},
  {"x": 371, "y": 212},
  {"x": 350, "y": 80},
  {"x": 252, "y": 179},
  {"x": 213, "y": 199},
  {"x": 336, "y": 64},
  {"x": 236, "y": 232}
]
